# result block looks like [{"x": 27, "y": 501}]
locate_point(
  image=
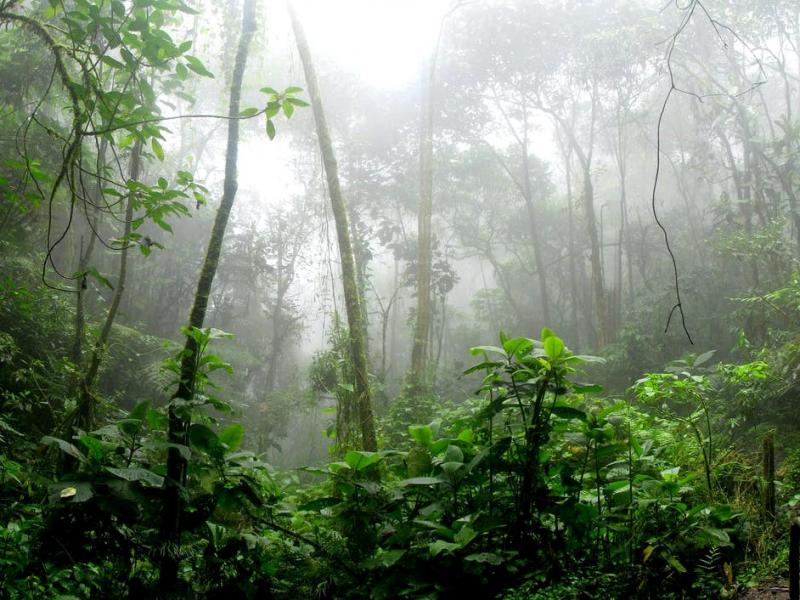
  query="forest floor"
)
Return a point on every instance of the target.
[{"x": 775, "y": 590}]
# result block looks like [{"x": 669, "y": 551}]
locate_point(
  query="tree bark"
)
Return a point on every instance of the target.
[
  {"x": 537, "y": 233},
  {"x": 352, "y": 293},
  {"x": 573, "y": 279},
  {"x": 176, "y": 465},
  {"x": 84, "y": 416},
  {"x": 419, "y": 349},
  {"x": 84, "y": 257}
]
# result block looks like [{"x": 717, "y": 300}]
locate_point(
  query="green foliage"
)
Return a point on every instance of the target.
[{"x": 539, "y": 485}]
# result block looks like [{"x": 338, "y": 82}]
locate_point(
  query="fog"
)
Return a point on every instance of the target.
[
  {"x": 399, "y": 298},
  {"x": 533, "y": 107}
]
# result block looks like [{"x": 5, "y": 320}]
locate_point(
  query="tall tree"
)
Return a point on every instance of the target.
[
  {"x": 422, "y": 325},
  {"x": 352, "y": 293},
  {"x": 419, "y": 349},
  {"x": 178, "y": 424}
]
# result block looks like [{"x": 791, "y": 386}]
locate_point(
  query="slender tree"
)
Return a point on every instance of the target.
[
  {"x": 84, "y": 417},
  {"x": 352, "y": 293},
  {"x": 419, "y": 349},
  {"x": 178, "y": 425}
]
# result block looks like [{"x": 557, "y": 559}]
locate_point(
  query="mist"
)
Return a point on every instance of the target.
[{"x": 381, "y": 299}]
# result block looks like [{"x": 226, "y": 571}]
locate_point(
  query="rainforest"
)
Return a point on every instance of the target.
[{"x": 382, "y": 299}]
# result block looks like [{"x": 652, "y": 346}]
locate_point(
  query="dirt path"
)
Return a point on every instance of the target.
[{"x": 767, "y": 591}]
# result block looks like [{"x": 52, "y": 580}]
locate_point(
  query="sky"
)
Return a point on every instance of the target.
[{"x": 383, "y": 42}]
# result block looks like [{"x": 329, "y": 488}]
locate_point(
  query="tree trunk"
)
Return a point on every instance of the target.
[
  {"x": 352, "y": 294},
  {"x": 768, "y": 460},
  {"x": 537, "y": 232},
  {"x": 419, "y": 350},
  {"x": 83, "y": 263},
  {"x": 277, "y": 323},
  {"x": 598, "y": 287},
  {"x": 84, "y": 416},
  {"x": 176, "y": 465},
  {"x": 623, "y": 216}
]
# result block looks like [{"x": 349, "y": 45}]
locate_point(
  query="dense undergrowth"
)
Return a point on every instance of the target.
[{"x": 539, "y": 486}]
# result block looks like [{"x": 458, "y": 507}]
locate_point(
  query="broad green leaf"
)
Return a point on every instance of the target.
[
  {"x": 72, "y": 492},
  {"x": 440, "y": 546},
  {"x": 476, "y": 350},
  {"x": 203, "y": 438},
  {"x": 65, "y": 447},
  {"x": 421, "y": 481},
  {"x": 140, "y": 410},
  {"x": 232, "y": 436},
  {"x": 389, "y": 557},
  {"x": 196, "y": 65},
  {"x": 518, "y": 346},
  {"x": 485, "y": 365},
  {"x": 703, "y": 358},
  {"x": 454, "y": 454},
  {"x": 587, "y": 388},
  {"x": 465, "y": 535},
  {"x": 553, "y": 347},
  {"x": 95, "y": 274},
  {"x": 273, "y": 108},
  {"x": 270, "y": 129},
  {"x": 718, "y": 537},
  {"x": 184, "y": 451},
  {"x": 249, "y": 112},
  {"x": 319, "y": 504},
  {"x": 137, "y": 474},
  {"x": 157, "y": 149},
  {"x": 675, "y": 564},
  {"x": 568, "y": 412},
  {"x": 485, "y": 557},
  {"x": 97, "y": 448},
  {"x": 451, "y": 467},
  {"x": 112, "y": 62},
  {"x": 181, "y": 71},
  {"x": 360, "y": 459}
]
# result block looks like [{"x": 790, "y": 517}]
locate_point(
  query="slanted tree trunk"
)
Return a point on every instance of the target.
[
  {"x": 84, "y": 415},
  {"x": 352, "y": 293},
  {"x": 178, "y": 427},
  {"x": 84, "y": 256}
]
